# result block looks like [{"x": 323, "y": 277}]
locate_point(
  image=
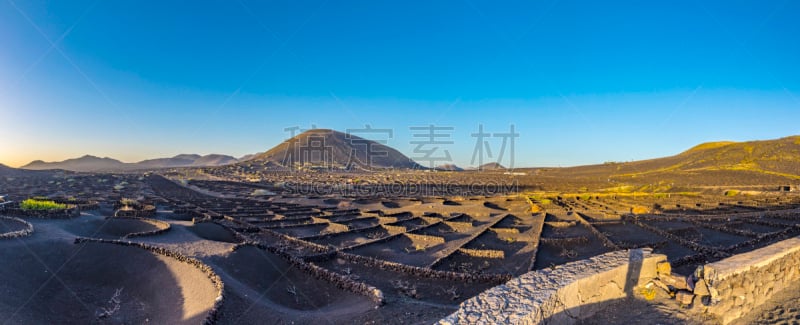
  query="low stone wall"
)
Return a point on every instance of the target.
[
  {"x": 383, "y": 239},
  {"x": 483, "y": 253},
  {"x": 394, "y": 230},
  {"x": 505, "y": 231},
  {"x": 578, "y": 240},
  {"x": 463, "y": 227},
  {"x": 606, "y": 242},
  {"x": 561, "y": 224},
  {"x": 422, "y": 271},
  {"x": 46, "y": 214},
  {"x": 144, "y": 213},
  {"x": 161, "y": 225},
  {"x": 27, "y": 231},
  {"x": 90, "y": 205},
  {"x": 666, "y": 234},
  {"x": 565, "y": 294},
  {"x": 385, "y": 220},
  {"x": 740, "y": 283},
  {"x": 430, "y": 220},
  {"x": 335, "y": 228},
  {"x": 238, "y": 225},
  {"x": 436, "y": 240},
  {"x": 341, "y": 281},
  {"x": 452, "y": 250}
]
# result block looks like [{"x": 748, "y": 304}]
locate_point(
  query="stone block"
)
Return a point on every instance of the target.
[
  {"x": 715, "y": 297},
  {"x": 660, "y": 284},
  {"x": 684, "y": 297},
  {"x": 760, "y": 299},
  {"x": 648, "y": 269},
  {"x": 732, "y": 315},
  {"x": 675, "y": 281},
  {"x": 701, "y": 289},
  {"x": 664, "y": 269},
  {"x": 778, "y": 286},
  {"x": 724, "y": 289},
  {"x": 725, "y": 306}
]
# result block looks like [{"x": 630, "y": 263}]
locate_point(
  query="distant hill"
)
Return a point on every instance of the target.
[
  {"x": 753, "y": 162},
  {"x": 7, "y": 171},
  {"x": 86, "y": 163},
  {"x": 214, "y": 160},
  {"x": 90, "y": 163},
  {"x": 449, "y": 167},
  {"x": 191, "y": 157},
  {"x": 249, "y": 157},
  {"x": 177, "y": 161},
  {"x": 333, "y": 149},
  {"x": 491, "y": 166}
]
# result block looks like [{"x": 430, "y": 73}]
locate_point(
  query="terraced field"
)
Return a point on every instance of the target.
[
  {"x": 280, "y": 256},
  {"x": 472, "y": 242}
]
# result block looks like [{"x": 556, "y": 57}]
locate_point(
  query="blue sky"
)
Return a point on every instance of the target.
[{"x": 582, "y": 82}]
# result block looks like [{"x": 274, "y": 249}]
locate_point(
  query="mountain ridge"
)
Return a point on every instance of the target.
[
  {"x": 90, "y": 163},
  {"x": 776, "y": 158}
]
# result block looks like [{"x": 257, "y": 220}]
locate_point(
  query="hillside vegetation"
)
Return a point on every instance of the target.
[{"x": 715, "y": 163}]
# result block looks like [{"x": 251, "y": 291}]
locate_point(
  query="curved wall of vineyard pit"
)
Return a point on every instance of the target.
[{"x": 214, "y": 313}]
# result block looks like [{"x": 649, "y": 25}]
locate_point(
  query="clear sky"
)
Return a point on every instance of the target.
[{"x": 583, "y": 82}]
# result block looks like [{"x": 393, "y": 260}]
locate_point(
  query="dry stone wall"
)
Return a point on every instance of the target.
[
  {"x": 740, "y": 283},
  {"x": 161, "y": 225},
  {"x": 339, "y": 280},
  {"x": 27, "y": 231},
  {"x": 422, "y": 271},
  {"x": 46, "y": 214},
  {"x": 483, "y": 253},
  {"x": 565, "y": 294}
]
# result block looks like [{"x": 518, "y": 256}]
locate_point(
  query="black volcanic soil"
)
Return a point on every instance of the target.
[
  {"x": 107, "y": 228},
  {"x": 556, "y": 253},
  {"x": 264, "y": 288},
  {"x": 212, "y": 231},
  {"x": 7, "y": 225},
  {"x": 57, "y": 282},
  {"x": 272, "y": 291}
]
